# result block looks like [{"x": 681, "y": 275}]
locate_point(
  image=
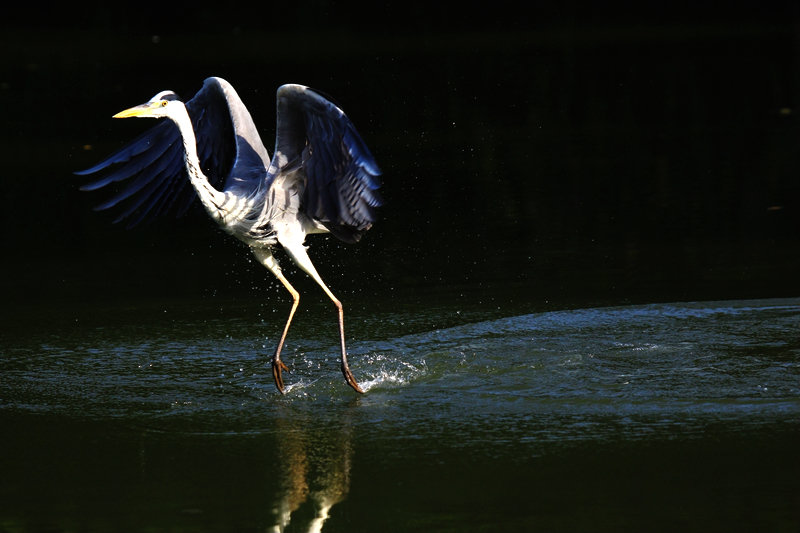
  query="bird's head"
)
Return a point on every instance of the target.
[{"x": 161, "y": 105}]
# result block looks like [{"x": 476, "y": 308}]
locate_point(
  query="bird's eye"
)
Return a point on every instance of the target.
[{"x": 164, "y": 103}]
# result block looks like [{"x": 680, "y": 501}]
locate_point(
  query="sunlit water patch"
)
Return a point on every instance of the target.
[
  {"x": 518, "y": 418},
  {"x": 635, "y": 368}
]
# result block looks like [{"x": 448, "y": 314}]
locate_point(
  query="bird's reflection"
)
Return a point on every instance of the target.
[{"x": 315, "y": 463}]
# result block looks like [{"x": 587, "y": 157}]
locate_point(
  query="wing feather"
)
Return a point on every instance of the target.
[
  {"x": 341, "y": 176},
  {"x": 152, "y": 165}
]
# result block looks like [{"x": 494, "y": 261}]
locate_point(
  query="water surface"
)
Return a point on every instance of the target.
[{"x": 681, "y": 416}]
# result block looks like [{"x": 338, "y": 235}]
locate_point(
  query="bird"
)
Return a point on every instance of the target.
[{"x": 322, "y": 178}]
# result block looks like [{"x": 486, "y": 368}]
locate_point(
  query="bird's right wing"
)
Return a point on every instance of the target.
[
  {"x": 335, "y": 170},
  {"x": 150, "y": 173}
]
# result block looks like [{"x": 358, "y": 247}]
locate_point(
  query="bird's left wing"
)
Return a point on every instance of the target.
[
  {"x": 317, "y": 139},
  {"x": 150, "y": 173}
]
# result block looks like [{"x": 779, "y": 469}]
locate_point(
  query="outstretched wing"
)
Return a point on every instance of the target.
[
  {"x": 315, "y": 138},
  {"x": 150, "y": 173}
]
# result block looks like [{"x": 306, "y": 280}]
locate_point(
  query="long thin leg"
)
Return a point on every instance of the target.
[
  {"x": 265, "y": 257},
  {"x": 299, "y": 255}
]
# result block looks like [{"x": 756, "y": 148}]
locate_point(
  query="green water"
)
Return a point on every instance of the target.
[
  {"x": 552, "y": 183},
  {"x": 652, "y": 417}
]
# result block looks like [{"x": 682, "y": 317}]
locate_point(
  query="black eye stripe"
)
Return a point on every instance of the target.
[{"x": 164, "y": 96}]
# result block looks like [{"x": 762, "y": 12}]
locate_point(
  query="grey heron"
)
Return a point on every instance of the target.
[{"x": 321, "y": 178}]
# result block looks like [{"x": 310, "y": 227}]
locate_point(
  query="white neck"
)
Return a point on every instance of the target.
[{"x": 211, "y": 198}]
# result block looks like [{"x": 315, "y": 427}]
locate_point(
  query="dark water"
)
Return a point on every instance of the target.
[
  {"x": 536, "y": 170},
  {"x": 665, "y": 417}
]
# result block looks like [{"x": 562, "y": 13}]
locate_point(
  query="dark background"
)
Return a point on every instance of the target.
[{"x": 559, "y": 154}]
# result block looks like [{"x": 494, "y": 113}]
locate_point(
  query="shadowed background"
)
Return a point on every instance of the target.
[
  {"x": 573, "y": 154},
  {"x": 537, "y": 164}
]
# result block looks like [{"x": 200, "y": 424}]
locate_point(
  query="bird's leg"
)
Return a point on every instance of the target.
[
  {"x": 266, "y": 258},
  {"x": 277, "y": 364},
  {"x": 348, "y": 376},
  {"x": 298, "y": 253}
]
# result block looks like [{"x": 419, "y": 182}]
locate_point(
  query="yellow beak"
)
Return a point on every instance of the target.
[{"x": 143, "y": 110}]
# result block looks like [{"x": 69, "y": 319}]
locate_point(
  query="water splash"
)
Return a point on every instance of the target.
[
  {"x": 724, "y": 357},
  {"x": 388, "y": 371}
]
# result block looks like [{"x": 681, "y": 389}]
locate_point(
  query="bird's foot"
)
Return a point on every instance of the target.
[
  {"x": 277, "y": 367},
  {"x": 348, "y": 377}
]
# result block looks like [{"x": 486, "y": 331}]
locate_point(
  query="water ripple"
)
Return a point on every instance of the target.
[{"x": 671, "y": 363}]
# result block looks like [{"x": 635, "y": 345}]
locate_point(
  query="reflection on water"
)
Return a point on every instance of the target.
[
  {"x": 604, "y": 419},
  {"x": 314, "y": 471}
]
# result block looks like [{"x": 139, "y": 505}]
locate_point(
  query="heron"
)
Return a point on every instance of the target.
[{"x": 321, "y": 178}]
